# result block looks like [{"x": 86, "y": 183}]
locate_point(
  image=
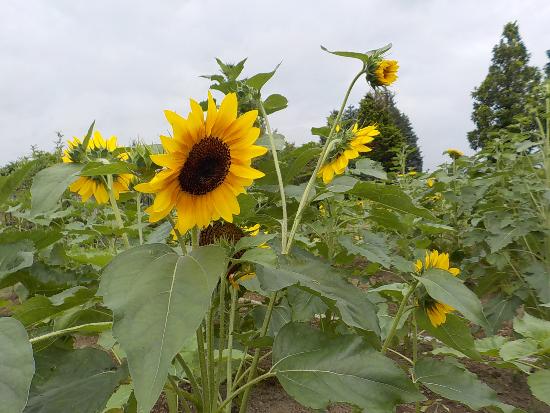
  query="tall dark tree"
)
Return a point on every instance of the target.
[
  {"x": 394, "y": 126},
  {"x": 503, "y": 99},
  {"x": 547, "y": 65}
]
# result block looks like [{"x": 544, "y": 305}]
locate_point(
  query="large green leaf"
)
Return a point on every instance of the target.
[
  {"x": 73, "y": 381},
  {"x": 390, "y": 196},
  {"x": 259, "y": 80},
  {"x": 532, "y": 327},
  {"x": 303, "y": 156},
  {"x": 49, "y": 184},
  {"x": 8, "y": 184},
  {"x": 374, "y": 252},
  {"x": 364, "y": 57},
  {"x": 454, "y": 332},
  {"x": 305, "y": 270},
  {"x": 539, "y": 382},
  {"x": 15, "y": 256},
  {"x": 455, "y": 383},
  {"x": 100, "y": 168},
  {"x": 518, "y": 349},
  {"x": 318, "y": 369},
  {"x": 444, "y": 287},
  {"x": 274, "y": 103},
  {"x": 158, "y": 299},
  {"x": 16, "y": 365}
]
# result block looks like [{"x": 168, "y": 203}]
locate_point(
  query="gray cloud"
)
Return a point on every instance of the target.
[{"x": 65, "y": 63}]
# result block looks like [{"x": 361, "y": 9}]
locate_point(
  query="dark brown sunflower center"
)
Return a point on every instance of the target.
[{"x": 206, "y": 167}]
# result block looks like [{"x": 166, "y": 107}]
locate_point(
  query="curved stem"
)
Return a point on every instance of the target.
[
  {"x": 102, "y": 325},
  {"x": 263, "y": 332},
  {"x": 189, "y": 374},
  {"x": 304, "y": 201},
  {"x": 178, "y": 234},
  {"x": 116, "y": 211},
  {"x": 284, "y": 223},
  {"x": 246, "y": 387},
  {"x": 397, "y": 318},
  {"x": 181, "y": 393}
]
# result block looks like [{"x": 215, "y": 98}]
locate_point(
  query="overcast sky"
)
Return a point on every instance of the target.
[{"x": 65, "y": 63}]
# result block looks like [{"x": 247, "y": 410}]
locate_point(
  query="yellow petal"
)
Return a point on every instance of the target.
[
  {"x": 245, "y": 172},
  {"x": 172, "y": 160},
  {"x": 211, "y": 114},
  {"x": 226, "y": 114}
]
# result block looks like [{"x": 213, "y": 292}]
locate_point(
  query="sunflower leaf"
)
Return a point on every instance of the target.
[
  {"x": 88, "y": 136},
  {"x": 274, "y": 103},
  {"x": 539, "y": 383},
  {"x": 16, "y": 365},
  {"x": 364, "y": 57},
  {"x": 158, "y": 299},
  {"x": 100, "y": 168},
  {"x": 49, "y": 185},
  {"x": 444, "y": 287},
  {"x": 317, "y": 369},
  {"x": 259, "y": 80}
]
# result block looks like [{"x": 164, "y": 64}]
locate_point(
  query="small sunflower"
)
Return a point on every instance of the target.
[
  {"x": 352, "y": 144},
  {"x": 206, "y": 165},
  {"x": 454, "y": 153},
  {"x": 97, "y": 148},
  {"x": 386, "y": 72},
  {"x": 253, "y": 230},
  {"x": 430, "y": 182},
  {"x": 436, "y": 311}
]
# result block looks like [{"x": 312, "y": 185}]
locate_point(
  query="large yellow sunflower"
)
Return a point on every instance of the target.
[
  {"x": 97, "y": 148},
  {"x": 386, "y": 72},
  {"x": 436, "y": 311},
  {"x": 454, "y": 153},
  {"x": 352, "y": 144},
  {"x": 206, "y": 165}
]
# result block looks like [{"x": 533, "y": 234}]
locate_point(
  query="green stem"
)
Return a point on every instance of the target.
[
  {"x": 397, "y": 318},
  {"x": 103, "y": 325},
  {"x": 190, "y": 375},
  {"x": 210, "y": 356},
  {"x": 181, "y": 393},
  {"x": 221, "y": 344},
  {"x": 139, "y": 215},
  {"x": 116, "y": 211},
  {"x": 263, "y": 332},
  {"x": 195, "y": 237},
  {"x": 245, "y": 388},
  {"x": 304, "y": 201},
  {"x": 229, "y": 367},
  {"x": 415, "y": 351},
  {"x": 204, "y": 372},
  {"x": 178, "y": 234},
  {"x": 284, "y": 223}
]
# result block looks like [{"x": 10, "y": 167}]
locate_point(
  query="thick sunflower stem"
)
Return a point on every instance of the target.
[
  {"x": 222, "y": 340},
  {"x": 229, "y": 367},
  {"x": 415, "y": 352},
  {"x": 139, "y": 215},
  {"x": 178, "y": 234},
  {"x": 304, "y": 201},
  {"x": 397, "y": 318},
  {"x": 284, "y": 223},
  {"x": 256, "y": 359},
  {"x": 116, "y": 211},
  {"x": 195, "y": 237}
]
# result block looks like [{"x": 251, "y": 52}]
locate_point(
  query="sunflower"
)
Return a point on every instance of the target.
[
  {"x": 206, "y": 165},
  {"x": 386, "y": 72},
  {"x": 454, "y": 153},
  {"x": 436, "y": 311},
  {"x": 430, "y": 182},
  {"x": 97, "y": 148},
  {"x": 352, "y": 143}
]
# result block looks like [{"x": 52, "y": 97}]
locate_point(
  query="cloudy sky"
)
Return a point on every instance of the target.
[{"x": 65, "y": 63}]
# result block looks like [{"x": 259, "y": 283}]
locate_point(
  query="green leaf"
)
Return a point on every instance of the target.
[
  {"x": 539, "y": 383},
  {"x": 454, "y": 333},
  {"x": 390, "y": 197},
  {"x": 455, "y": 383},
  {"x": 158, "y": 299},
  {"x": 278, "y": 139},
  {"x": 259, "y": 80},
  {"x": 518, "y": 349},
  {"x": 274, "y": 103},
  {"x": 341, "y": 184},
  {"x": 49, "y": 184},
  {"x": 8, "y": 184},
  {"x": 297, "y": 166},
  {"x": 369, "y": 167},
  {"x": 88, "y": 136},
  {"x": 253, "y": 241},
  {"x": 532, "y": 327},
  {"x": 100, "y": 168},
  {"x": 323, "y": 131},
  {"x": 16, "y": 256},
  {"x": 16, "y": 365},
  {"x": 364, "y": 57},
  {"x": 305, "y": 270},
  {"x": 371, "y": 251},
  {"x": 444, "y": 287},
  {"x": 40, "y": 237},
  {"x": 318, "y": 369},
  {"x": 68, "y": 381}
]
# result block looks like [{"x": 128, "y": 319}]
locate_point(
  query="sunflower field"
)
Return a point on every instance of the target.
[{"x": 180, "y": 276}]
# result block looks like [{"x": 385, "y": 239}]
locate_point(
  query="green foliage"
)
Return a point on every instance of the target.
[{"x": 504, "y": 98}]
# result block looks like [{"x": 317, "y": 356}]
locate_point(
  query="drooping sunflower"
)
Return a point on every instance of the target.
[
  {"x": 436, "y": 310},
  {"x": 386, "y": 72},
  {"x": 97, "y": 148},
  {"x": 206, "y": 165},
  {"x": 352, "y": 144},
  {"x": 454, "y": 153}
]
